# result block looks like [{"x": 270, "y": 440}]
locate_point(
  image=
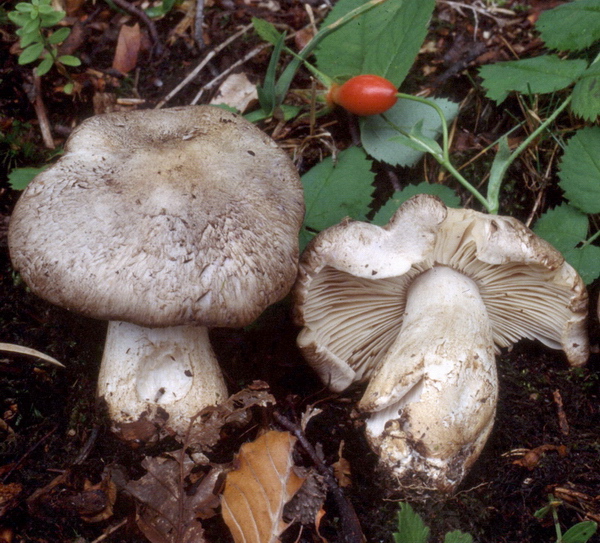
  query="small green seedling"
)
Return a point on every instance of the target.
[
  {"x": 412, "y": 529},
  {"x": 35, "y": 20},
  {"x": 578, "y": 533}
]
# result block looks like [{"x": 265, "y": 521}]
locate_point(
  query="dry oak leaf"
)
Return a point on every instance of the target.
[{"x": 255, "y": 494}]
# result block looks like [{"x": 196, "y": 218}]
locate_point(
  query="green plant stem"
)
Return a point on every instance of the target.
[
  {"x": 493, "y": 186},
  {"x": 591, "y": 239},
  {"x": 444, "y": 158}
]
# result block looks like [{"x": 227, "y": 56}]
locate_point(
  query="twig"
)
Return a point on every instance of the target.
[
  {"x": 40, "y": 111},
  {"x": 141, "y": 15},
  {"x": 110, "y": 530},
  {"x": 226, "y": 72},
  {"x": 19, "y": 463},
  {"x": 350, "y": 524},
  {"x": 192, "y": 75},
  {"x": 198, "y": 23}
]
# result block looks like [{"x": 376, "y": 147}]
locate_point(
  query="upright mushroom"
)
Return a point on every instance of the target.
[
  {"x": 166, "y": 223},
  {"x": 415, "y": 308}
]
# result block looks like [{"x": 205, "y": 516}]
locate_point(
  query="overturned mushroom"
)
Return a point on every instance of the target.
[
  {"x": 165, "y": 223},
  {"x": 415, "y": 308}
]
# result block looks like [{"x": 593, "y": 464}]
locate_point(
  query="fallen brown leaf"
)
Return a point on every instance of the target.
[
  {"x": 532, "y": 457},
  {"x": 167, "y": 512},
  {"x": 128, "y": 48},
  {"x": 255, "y": 494}
]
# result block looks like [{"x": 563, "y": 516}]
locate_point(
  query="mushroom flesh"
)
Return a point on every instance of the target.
[
  {"x": 418, "y": 309},
  {"x": 166, "y": 223}
]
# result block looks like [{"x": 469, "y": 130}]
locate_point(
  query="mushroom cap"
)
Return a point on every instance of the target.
[
  {"x": 187, "y": 215},
  {"x": 351, "y": 289}
]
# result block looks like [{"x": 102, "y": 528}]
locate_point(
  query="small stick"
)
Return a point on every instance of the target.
[
  {"x": 203, "y": 63},
  {"x": 40, "y": 111},
  {"x": 350, "y": 524}
]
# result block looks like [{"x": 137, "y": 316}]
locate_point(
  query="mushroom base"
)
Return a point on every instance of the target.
[
  {"x": 432, "y": 399},
  {"x": 151, "y": 375}
]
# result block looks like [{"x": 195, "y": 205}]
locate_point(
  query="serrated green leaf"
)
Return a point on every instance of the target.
[
  {"x": 69, "y": 60},
  {"x": 444, "y": 193},
  {"x": 572, "y": 26},
  {"x": 411, "y": 528},
  {"x": 266, "y": 30},
  {"x": 580, "y": 533},
  {"x": 580, "y": 170},
  {"x": 31, "y": 53},
  {"x": 381, "y": 140},
  {"x": 59, "y": 36},
  {"x": 384, "y": 41},
  {"x": 19, "y": 178},
  {"x": 539, "y": 75},
  {"x": 335, "y": 190},
  {"x": 565, "y": 227},
  {"x": 586, "y": 94},
  {"x": 44, "y": 67},
  {"x": 458, "y": 537}
]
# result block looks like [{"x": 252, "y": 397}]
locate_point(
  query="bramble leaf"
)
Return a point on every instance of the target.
[
  {"x": 334, "y": 190},
  {"x": 566, "y": 229},
  {"x": 377, "y": 133},
  {"x": 384, "y": 41},
  {"x": 411, "y": 528},
  {"x": 580, "y": 170},
  {"x": 457, "y": 536},
  {"x": 586, "y": 94},
  {"x": 572, "y": 26},
  {"x": 446, "y": 194},
  {"x": 539, "y": 75},
  {"x": 19, "y": 178}
]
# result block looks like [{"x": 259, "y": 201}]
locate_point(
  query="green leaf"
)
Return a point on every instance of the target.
[
  {"x": 411, "y": 528},
  {"x": 162, "y": 9},
  {"x": 68, "y": 88},
  {"x": 586, "y": 94},
  {"x": 384, "y": 41},
  {"x": 31, "y": 53},
  {"x": 580, "y": 170},
  {"x": 69, "y": 60},
  {"x": 267, "y": 93},
  {"x": 23, "y": 7},
  {"x": 458, "y": 537},
  {"x": 18, "y": 18},
  {"x": 52, "y": 19},
  {"x": 382, "y": 141},
  {"x": 29, "y": 38},
  {"x": 565, "y": 227},
  {"x": 539, "y": 75},
  {"x": 572, "y": 26},
  {"x": 33, "y": 26},
  {"x": 19, "y": 178},
  {"x": 44, "y": 66},
  {"x": 444, "y": 193},
  {"x": 59, "y": 36},
  {"x": 580, "y": 533},
  {"x": 335, "y": 190},
  {"x": 266, "y": 30}
]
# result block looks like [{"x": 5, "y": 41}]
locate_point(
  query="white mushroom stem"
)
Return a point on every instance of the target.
[
  {"x": 433, "y": 395},
  {"x": 148, "y": 368}
]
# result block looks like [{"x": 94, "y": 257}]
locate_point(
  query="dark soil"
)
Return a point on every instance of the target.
[{"x": 52, "y": 426}]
